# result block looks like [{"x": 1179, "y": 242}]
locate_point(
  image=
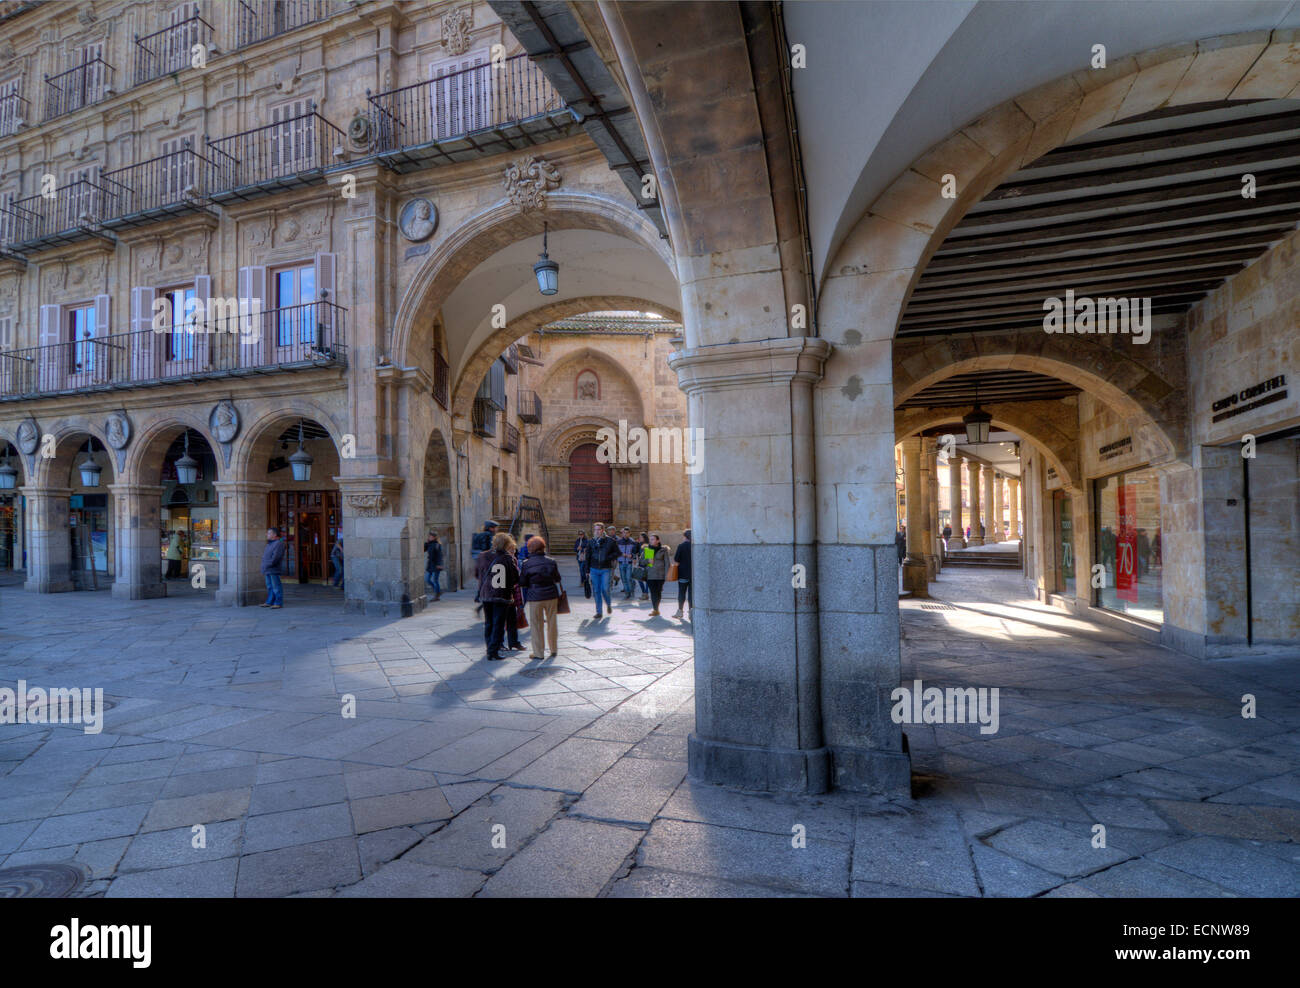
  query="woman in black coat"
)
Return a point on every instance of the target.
[
  {"x": 540, "y": 579},
  {"x": 498, "y": 576}
]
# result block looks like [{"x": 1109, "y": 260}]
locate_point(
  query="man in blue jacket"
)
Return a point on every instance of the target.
[{"x": 272, "y": 563}]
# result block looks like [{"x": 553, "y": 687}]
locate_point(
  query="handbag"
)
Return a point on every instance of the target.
[
  {"x": 562, "y": 605},
  {"x": 672, "y": 573},
  {"x": 640, "y": 573}
]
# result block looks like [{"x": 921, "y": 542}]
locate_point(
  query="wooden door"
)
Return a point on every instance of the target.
[
  {"x": 309, "y": 546},
  {"x": 590, "y": 486}
]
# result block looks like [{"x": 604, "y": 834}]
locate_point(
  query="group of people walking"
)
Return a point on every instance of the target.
[
  {"x": 510, "y": 577},
  {"x": 644, "y": 562}
]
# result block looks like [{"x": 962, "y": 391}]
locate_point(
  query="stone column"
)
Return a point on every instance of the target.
[
  {"x": 930, "y": 485},
  {"x": 384, "y": 575},
  {"x": 916, "y": 575},
  {"x": 999, "y": 510},
  {"x": 758, "y": 713},
  {"x": 241, "y": 510},
  {"x": 49, "y": 545},
  {"x": 1013, "y": 493},
  {"x": 973, "y": 469},
  {"x": 139, "y": 541},
  {"x": 954, "y": 500},
  {"x": 990, "y": 535}
]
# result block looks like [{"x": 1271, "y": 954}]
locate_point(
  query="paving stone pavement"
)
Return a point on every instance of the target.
[{"x": 462, "y": 777}]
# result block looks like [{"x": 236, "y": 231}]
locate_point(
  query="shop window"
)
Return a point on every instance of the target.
[{"x": 1129, "y": 545}]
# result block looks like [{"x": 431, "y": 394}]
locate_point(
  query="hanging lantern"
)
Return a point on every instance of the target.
[
  {"x": 8, "y": 474},
  {"x": 187, "y": 468},
  {"x": 301, "y": 461},
  {"x": 546, "y": 270},
  {"x": 977, "y": 421},
  {"x": 89, "y": 469}
]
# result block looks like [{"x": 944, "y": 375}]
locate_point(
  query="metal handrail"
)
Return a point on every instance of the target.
[
  {"x": 178, "y": 41},
  {"x": 75, "y": 90},
  {"x": 275, "y": 17},
  {"x": 274, "y": 152},
  {"x": 74, "y": 206},
  {"x": 176, "y": 178}
]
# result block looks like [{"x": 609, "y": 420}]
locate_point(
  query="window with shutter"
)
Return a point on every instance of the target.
[
  {"x": 82, "y": 196},
  {"x": 182, "y": 37},
  {"x": 80, "y": 328},
  {"x": 461, "y": 95},
  {"x": 292, "y": 138},
  {"x": 178, "y": 343},
  {"x": 10, "y": 105},
  {"x": 295, "y": 291},
  {"x": 6, "y": 333},
  {"x": 175, "y": 170},
  {"x": 89, "y": 82}
]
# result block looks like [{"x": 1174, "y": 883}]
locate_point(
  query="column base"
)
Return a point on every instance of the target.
[
  {"x": 801, "y": 770},
  {"x": 139, "y": 591},
  {"x": 407, "y": 607},
  {"x": 240, "y": 598},
  {"x": 974, "y": 540},
  {"x": 931, "y": 565},
  {"x": 916, "y": 580},
  {"x": 49, "y": 586},
  {"x": 870, "y": 770}
]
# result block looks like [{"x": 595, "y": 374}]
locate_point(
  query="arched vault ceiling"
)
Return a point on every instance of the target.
[
  {"x": 1147, "y": 207},
  {"x": 928, "y": 69},
  {"x": 592, "y": 263}
]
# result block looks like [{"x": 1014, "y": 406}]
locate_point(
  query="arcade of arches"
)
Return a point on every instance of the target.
[{"x": 831, "y": 312}]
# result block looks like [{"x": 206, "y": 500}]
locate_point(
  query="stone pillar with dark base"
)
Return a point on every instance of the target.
[
  {"x": 990, "y": 534},
  {"x": 933, "y": 552},
  {"x": 241, "y": 510},
  {"x": 916, "y": 574},
  {"x": 954, "y": 501},
  {"x": 384, "y": 565},
  {"x": 1013, "y": 499},
  {"x": 999, "y": 510},
  {"x": 139, "y": 542},
  {"x": 49, "y": 544},
  {"x": 754, "y": 565},
  {"x": 973, "y": 469}
]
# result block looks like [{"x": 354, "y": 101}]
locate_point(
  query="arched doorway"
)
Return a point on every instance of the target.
[
  {"x": 590, "y": 486},
  {"x": 439, "y": 509},
  {"x": 12, "y": 551},
  {"x": 188, "y": 519}
]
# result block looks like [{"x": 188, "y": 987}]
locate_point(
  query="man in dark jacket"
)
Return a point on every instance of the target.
[
  {"x": 900, "y": 543},
  {"x": 602, "y": 553},
  {"x": 272, "y": 563},
  {"x": 498, "y": 575},
  {"x": 433, "y": 565},
  {"x": 626, "y": 551},
  {"x": 481, "y": 543},
  {"x": 682, "y": 557}
]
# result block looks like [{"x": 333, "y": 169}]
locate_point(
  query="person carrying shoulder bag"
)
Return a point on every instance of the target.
[{"x": 539, "y": 577}]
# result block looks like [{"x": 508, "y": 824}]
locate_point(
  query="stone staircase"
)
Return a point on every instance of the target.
[{"x": 1008, "y": 558}]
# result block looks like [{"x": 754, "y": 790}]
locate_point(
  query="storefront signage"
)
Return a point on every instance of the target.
[
  {"x": 1248, "y": 399},
  {"x": 1118, "y": 448},
  {"x": 1126, "y": 544}
]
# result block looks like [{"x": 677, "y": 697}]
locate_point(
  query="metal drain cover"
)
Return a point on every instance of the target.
[
  {"x": 937, "y": 607},
  {"x": 542, "y": 672},
  {"x": 42, "y": 881},
  {"x": 43, "y": 704}
]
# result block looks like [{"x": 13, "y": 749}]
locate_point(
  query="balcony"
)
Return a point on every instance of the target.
[
  {"x": 293, "y": 338},
  {"x": 14, "y": 114},
  {"x": 530, "y": 408},
  {"x": 170, "y": 50},
  {"x": 441, "y": 379},
  {"x": 480, "y": 110},
  {"x": 510, "y": 439},
  {"x": 168, "y": 185},
  {"x": 72, "y": 213},
  {"x": 511, "y": 359},
  {"x": 283, "y": 155},
  {"x": 262, "y": 19},
  {"x": 82, "y": 85},
  {"x": 484, "y": 418}
]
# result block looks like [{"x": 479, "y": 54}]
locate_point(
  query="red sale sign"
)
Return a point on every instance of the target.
[{"x": 1126, "y": 571}]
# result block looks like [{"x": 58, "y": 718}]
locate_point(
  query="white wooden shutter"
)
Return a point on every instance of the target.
[
  {"x": 252, "y": 292},
  {"x": 145, "y": 343},
  {"x": 7, "y": 365},
  {"x": 104, "y": 355},
  {"x": 9, "y": 106},
  {"x": 52, "y": 360},
  {"x": 326, "y": 315},
  {"x": 461, "y": 97},
  {"x": 291, "y": 140},
  {"x": 206, "y": 343},
  {"x": 92, "y": 76}
]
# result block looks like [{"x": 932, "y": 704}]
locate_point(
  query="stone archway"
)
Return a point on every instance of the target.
[
  {"x": 440, "y": 507},
  {"x": 53, "y": 484},
  {"x": 626, "y": 483}
]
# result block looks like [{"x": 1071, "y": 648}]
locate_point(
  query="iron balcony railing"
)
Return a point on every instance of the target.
[
  {"x": 291, "y": 338},
  {"x": 289, "y": 152},
  {"x": 170, "y": 183},
  {"x": 510, "y": 439},
  {"x": 484, "y": 418},
  {"x": 262, "y": 19},
  {"x": 511, "y": 359},
  {"x": 483, "y": 97},
  {"x": 171, "y": 49},
  {"x": 530, "y": 407},
  {"x": 441, "y": 379},
  {"x": 69, "y": 214},
  {"x": 13, "y": 114},
  {"x": 81, "y": 85}
]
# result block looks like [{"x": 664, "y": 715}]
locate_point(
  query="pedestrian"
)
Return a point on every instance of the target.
[
  {"x": 602, "y": 553},
  {"x": 272, "y": 561},
  {"x": 643, "y": 541},
  {"x": 479, "y": 544},
  {"x": 626, "y": 553},
  {"x": 513, "y": 643},
  {"x": 336, "y": 562},
  {"x": 523, "y": 549},
  {"x": 498, "y": 576},
  {"x": 580, "y": 545},
  {"x": 540, "y": 578},
  {"x": 656, "y": 566},
  {"x": 900, "y": 542},
  {"x": 433, "y": 558},
  {"x": 174, "y": 555},
  {"x": 682, "y": 557}
]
